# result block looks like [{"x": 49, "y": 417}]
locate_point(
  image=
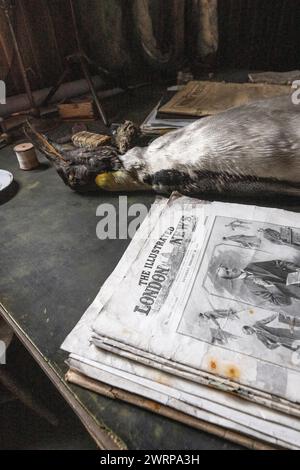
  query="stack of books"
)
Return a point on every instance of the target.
[
  {"x": 157, "y": 122},
  {"x": 199, "y": 322}
]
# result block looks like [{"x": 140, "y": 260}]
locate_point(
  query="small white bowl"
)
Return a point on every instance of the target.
[{"x": 6, "y": 179}]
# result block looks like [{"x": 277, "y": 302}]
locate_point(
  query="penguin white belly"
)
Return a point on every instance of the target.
[{"x": 258, "y": 140}]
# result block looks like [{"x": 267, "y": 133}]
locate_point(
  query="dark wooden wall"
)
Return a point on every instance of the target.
[
  {"x": 259, "y": 34},
  {"x": 45, "y": 37},
  {"x": 256, "y": 34}
]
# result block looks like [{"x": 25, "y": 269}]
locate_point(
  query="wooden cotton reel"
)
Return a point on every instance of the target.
[
  {"x": 89, "y": 140},
  {"x": 26, "y": 156}
]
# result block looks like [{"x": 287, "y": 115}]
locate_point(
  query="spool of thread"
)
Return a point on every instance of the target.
[{"x": 26, "y": 156}]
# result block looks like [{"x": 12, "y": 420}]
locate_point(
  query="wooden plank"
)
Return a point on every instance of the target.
[{"x": 84, "y": 110}]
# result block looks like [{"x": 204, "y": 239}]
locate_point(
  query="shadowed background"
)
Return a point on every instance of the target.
[{"x": 143, "y": 38}]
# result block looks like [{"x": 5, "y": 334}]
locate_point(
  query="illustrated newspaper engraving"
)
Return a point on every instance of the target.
[
  {"x": 234, "y": 310},
  {"x": 204, "y": 306}
]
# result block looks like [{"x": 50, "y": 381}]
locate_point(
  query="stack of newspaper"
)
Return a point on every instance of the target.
[
  {"x": 182, "y": 105},
  {"x": 202, "y": 318},
  {"x": 155, "y": 123}
]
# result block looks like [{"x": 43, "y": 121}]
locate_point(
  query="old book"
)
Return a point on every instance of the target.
[{"x": 203, "y": 98}]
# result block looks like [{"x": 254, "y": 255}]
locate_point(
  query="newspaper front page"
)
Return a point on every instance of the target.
[
  {"x": 233, "y": 308},
  {"x": 135, "y": 350}
]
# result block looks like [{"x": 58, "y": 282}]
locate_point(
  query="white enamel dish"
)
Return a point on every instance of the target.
[{"x": 6, "y": 179}]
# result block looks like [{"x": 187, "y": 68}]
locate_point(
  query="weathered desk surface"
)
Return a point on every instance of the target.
[{"x": 52, "y": 266}]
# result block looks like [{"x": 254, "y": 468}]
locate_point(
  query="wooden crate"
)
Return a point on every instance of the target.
[{"x": 83, "y": 110}]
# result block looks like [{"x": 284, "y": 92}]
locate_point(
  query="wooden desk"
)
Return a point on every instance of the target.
[{"x": 52, "y": 266}]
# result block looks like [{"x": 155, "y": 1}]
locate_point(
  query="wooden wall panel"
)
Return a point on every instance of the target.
[
  {"x": 259, "y": 34},
  {"x": 139, "y": 37}
]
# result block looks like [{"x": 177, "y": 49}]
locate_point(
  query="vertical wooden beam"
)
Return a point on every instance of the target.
[
  {"x": 207, "y": 12},
  {"x": 28, "y": 31},
  {"x": 7, "y": 54}
]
